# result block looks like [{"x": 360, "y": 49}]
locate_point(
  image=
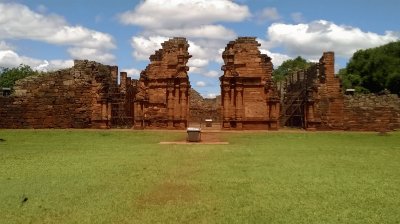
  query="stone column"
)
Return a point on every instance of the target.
[
  {"x": 114, "y": 74},
  {"x": 239, "y": 106},
  {"x": 232, "y": 111},
  {"x": 123, "y": 76},
  {"x": 177, "y": 109},
  {"x": 183, "y": 103},
  {"x": 310, "y": 125},
  {"x": 225, "y": 106},
  {"x": 170, "y": 105},
  {"x": 273, "y": 116}
]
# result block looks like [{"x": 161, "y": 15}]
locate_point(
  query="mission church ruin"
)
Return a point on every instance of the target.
[{"x": 88, "y": 95}]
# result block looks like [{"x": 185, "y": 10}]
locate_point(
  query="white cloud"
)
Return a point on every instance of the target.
[
  {"x": 310, "y": 40},
  {"x": 19, "y": 22},
  {"x": 132, "y": 72},
  {"x": 93, "y": 54},
  {"x": 268, "y": 14},
  {"x": 297, "y": 17},
  {"x": 210, "y": 95},
  {"x": 198, "y": 62},
  {"x": 144, "y": 47},
  {"x": 212, "y": 74},
  {"x": 5, "y": 46},
  {"x": 9, "y": 58},
  {"x": 155, "y": 14},
  {"x": 195, "y": 19},
  {"x": 276, "y": 58},
  {"x": 200, "y": 84},
  {"x": 203, "y": 31}
]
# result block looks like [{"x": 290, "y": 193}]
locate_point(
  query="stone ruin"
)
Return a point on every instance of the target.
[
  {"x": 313, "y": 99},
  {"x": 162, "y": 94},
  {"x": 88, "y": 96},
  {"x": 250, "y": 99},
  {"x": 201, "y": 108},
  {"x": 79, "y": 97}
]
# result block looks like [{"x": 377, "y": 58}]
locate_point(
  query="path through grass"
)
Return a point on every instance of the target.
[{"x": 75, "y": 176}]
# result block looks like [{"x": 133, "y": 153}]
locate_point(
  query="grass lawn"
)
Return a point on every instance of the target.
[{"x": 77, "y": 176}]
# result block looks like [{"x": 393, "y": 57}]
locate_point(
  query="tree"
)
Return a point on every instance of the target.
[
  {"x": 290, "y": 66},
  {"x": 8, "y": 76},
  {"x": 374, "y": 69}
]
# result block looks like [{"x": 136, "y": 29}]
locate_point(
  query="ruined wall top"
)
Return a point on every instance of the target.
[
  {"x": 169, "y": 61},
  {"x": 243, "y": 58}
]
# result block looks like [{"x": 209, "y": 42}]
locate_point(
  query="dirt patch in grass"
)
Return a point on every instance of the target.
[
  {"x": 211, "y": 137},
  {"x": 168, "y": 192}
]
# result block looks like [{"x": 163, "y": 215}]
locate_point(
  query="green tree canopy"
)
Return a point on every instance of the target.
[
  {"x": 8, "y": 76},
  {"x": 373, "y": 70},
  {"x": 290, "y": 66}
]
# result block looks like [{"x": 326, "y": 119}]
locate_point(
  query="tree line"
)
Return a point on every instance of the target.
[{"x": 368, "y": 71}]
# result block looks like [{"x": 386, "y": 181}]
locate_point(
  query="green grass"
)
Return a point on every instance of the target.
[{"x": 74, "y": 176}]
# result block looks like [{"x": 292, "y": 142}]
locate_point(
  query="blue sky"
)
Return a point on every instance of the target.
[{"x": 48, "y": 34}]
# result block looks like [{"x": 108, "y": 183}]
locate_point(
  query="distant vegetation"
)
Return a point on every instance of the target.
[
  {"x": 8, "y": 76},
  {"x": 290, "y": 66},
  {"x": 374, "y": 70}
]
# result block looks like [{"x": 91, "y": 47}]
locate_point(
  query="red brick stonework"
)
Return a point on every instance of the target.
[
  {"x": 313, "y": 99},
  {"x": 78, "y": 97},
  {"x": 162, "y": 90},
  {"x": 249, "y": 97}
]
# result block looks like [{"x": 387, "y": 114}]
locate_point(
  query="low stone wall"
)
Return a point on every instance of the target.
[
  {"x": 201, "y": 109},
  {"x": 70, "y": 98},
  {"x": 369, "y": 112}
]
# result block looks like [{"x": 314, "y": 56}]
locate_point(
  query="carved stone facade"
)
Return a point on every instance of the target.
[
  {"x": 249, "y": 97},
  {"x": 162, "y": 99},
  {"x": 88, "y": 96}
]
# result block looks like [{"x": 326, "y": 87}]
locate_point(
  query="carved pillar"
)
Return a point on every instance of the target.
[
  {"x": 183, "y": 103},
  {"x": 123, "y": 76},
  {"x": 239, "y": 106},
  {"x": 104, "y": 111},
  {"x": 225, "y": 106},
  {"x": 177, "y": 109},
  {"x": 310, "y": 124},
  {"x": 273, "y": 117},
  {"x": 170, "y": 105},
  {"x": 114, "y": 74},
  {"x": 232, "y": 107}
]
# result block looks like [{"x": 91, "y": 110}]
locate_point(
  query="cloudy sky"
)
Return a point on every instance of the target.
[{"x": 49, "y": 34}]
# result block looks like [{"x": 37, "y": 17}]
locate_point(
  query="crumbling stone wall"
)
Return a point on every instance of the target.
[
  {"x": 324, "y": 109},
  {"x": 314, "y": 96},
  {"x": 163, "y": 88},
  {"x": 250, "y": 99},
  {"x": 318, "y": 94},
  {"x": 78, "y": 97},
  {"x": 201, "y": 108},
  {"x": 370, "y": 112}
]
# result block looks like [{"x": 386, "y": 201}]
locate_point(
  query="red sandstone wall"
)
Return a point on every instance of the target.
[
  {"x": 163, "y": 88},
  {"x": 201, "y": 109},
  {"x": 369, "y": 112},
  {"x": 71, "y": 98},
  {"x": 329, "y": 107},
  {"x": 249, "y": 98}
]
